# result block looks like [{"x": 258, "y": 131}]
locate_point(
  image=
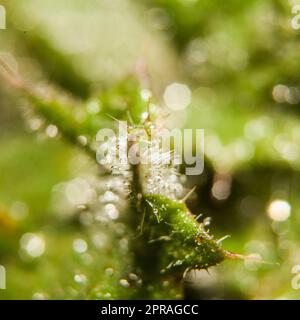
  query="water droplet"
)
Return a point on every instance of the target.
[
  {"x": 221, "y": 189},
  {"x": 279, "y": 93},
  {"x": 279, "y": 210},
  {"x": 35, "y": 124},
  {"x": 133, "y": 277},
  {"x": 109, "y": 271},
  {"x": 146, "y": 94},
  {"x": 99, "y": 240},
  {"x": 80, "y": 245},
  {"x": 207, "y": 221},
  {"x": 33, "y": 245},
  {"x": 177, "y": 96},
  {"x": 82, "y": 140},
  {"x": 109, "y": 196},
  {"x": 52, "y": 131},
  {"x": 80, "y": 278},
  {"x": 79, "y": 191},
  {"x": 144, "y": 116},
  {"x": 166, "y": 283},
  {"x": 111, "y": 211},
  {"x": 124, "y": 283},
  {"x": 38, "y": 296},
  {"x": 93, "y": 107}
]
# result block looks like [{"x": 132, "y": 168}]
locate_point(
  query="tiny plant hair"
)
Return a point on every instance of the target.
[{"x": 165, "y": 239}]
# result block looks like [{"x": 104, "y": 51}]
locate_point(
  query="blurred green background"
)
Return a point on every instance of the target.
[{"x": 241, "y": 61}]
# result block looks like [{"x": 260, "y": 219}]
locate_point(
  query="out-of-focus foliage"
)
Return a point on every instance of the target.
[{"x": 240, "y": 59}]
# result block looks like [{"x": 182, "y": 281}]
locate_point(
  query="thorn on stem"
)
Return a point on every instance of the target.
[
  {"x": 188, "y": 194},
  {"x": 223, "y": 238},
  {"x": 112, "y": 117}
]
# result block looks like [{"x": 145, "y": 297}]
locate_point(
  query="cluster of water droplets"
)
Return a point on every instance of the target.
[
  {"x": 119, "y": 169},
  {"x": 161, "y": 175}
]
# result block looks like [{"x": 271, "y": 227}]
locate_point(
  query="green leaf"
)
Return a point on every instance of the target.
[{"x": 185, "y": 242}]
